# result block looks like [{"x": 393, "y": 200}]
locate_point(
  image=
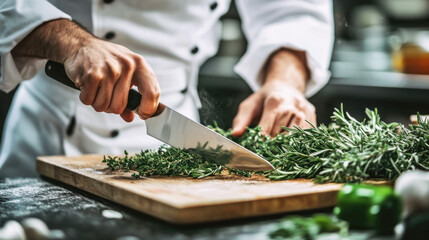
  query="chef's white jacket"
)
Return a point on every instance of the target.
[{"x": 175, "y": 37}]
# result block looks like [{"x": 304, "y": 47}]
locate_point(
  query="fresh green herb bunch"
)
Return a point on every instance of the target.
[
  {"x": 165, "y": 161},
  {"x": 352, "y": 151},
  {"x": 345, "y": 151}
]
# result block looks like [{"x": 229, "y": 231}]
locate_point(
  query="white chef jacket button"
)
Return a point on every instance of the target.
[
  {"x": 108, "y": 1},
  {"x": 194, "y": 50},
  {"x": 109, "y": 35},
  {"x": 213, "y": 6},
  {"x": 114, "y": 133}
]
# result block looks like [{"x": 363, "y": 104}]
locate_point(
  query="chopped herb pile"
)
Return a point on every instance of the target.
[
  {"x": 296, "y": 227},
  {"x": 345, "y": 151}
]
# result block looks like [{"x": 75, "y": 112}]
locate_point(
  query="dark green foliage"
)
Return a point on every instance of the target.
[
  {"x": 166, "y": 161},
  {"x": 297, "y": 227},
  {"x": 345, "y": 151}
]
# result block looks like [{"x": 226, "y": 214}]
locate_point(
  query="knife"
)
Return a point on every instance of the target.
[{"x": 181, "y": 132}]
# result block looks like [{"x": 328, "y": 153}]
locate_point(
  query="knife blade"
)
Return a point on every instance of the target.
[{"x": 181, "y": 132}]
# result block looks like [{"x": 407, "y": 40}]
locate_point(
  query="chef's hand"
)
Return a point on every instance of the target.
[
  {"x": 103, "y": 71},
  {"x": 280, "y": 101}
]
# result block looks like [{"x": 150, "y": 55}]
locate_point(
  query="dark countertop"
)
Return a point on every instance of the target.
[{"x": 79, "y": 216}]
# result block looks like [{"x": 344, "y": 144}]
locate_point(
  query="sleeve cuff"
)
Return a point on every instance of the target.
[
  {"x": 23, "y": 19},
  {"x": 288, "y": 35},
  {"x": 18, "y": 70}
]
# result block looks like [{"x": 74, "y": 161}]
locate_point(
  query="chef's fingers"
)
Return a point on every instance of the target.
[
  {"x": 298, "y": 120},
  {"x": 267, "y": 121},
  {"x": 248, "y": 110},
  {"x": 127, "y": 115},
  {"x": 103, "y": 97},
  {"x": 122, "y": 87},
  {"x": 145, "y": 80},
  {"x": 283, "y": 119},
  {"x": 89, "y": 87},
  {"x": 310, "y": 116},
  {"x": 109, "y": 76}
]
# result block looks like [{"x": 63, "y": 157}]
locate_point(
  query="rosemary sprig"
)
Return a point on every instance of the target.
[{"x": 345, "y": 151}]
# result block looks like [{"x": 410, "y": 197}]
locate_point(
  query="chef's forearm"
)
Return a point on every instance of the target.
[
  {"x": 55, "y": 40},
  {"x": 289, "y": 67}
]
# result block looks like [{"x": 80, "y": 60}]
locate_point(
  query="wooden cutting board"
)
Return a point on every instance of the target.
[{"x": 184, "y": 200}]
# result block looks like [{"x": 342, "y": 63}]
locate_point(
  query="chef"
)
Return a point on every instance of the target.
[{"x": 156, "y": 46}]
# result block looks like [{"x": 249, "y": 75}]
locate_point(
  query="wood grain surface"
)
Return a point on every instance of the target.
[{"x": 183, "y": 200}]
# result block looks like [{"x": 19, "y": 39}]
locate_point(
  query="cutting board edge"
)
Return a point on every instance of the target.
[
  {"x": 246, "y": 209},
  {"x": 58, "y": 173}
]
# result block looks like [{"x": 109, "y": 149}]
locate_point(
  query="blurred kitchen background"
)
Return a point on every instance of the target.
[{"x": 380, "y": 60}]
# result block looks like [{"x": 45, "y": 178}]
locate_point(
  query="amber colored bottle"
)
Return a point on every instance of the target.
[{"x": 411, "y": 59}]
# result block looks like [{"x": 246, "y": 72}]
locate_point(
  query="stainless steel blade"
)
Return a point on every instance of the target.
[{"x": 181, "y": 132}]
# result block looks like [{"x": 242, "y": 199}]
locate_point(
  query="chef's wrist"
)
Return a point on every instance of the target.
[
  {"x": 287, "y": 67},
  {"x": 54, "y": 40},
  {"x": 71, "y": 40}
]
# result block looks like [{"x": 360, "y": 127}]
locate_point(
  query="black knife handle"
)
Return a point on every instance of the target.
[{"x": 56, "y": 71}]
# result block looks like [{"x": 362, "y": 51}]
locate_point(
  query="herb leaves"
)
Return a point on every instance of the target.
[
  {"x": 297, "y": 227},
  {"x": 345, "y": 151}
]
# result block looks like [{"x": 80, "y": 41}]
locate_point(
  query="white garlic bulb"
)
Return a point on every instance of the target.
[
  {"x": 35, "y": 229},
  {"x": 413, "y": 187},
  {"x": 12, "y": 230}
]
